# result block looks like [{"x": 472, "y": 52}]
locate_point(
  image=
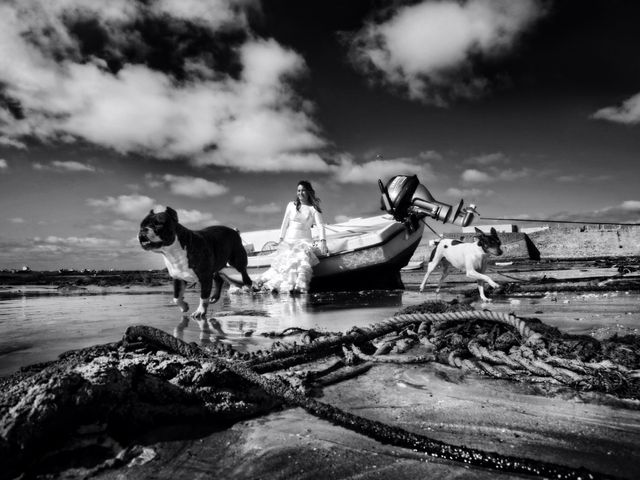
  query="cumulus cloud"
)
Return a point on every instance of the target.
[
  {"x": 349, "y": 171},
  {"x": 628, "y": 113},
  {"x": 472, "y": 175},
  {"x": 188, "y": 108},
  {"x": 429, "y": 49},
  {"x": 65, "y": 166},
  {"x": 262, "y": 209},
  {"x": 187, "y": 186},
  {"x": 492, "y": 172},
  {"x": 195, "y": 217},
  {"x": 132, "y": 207},
  {"x": 3, "y": 165},
  {"x": 84, "y": 242},
  {"x": 631, "y": 205}
]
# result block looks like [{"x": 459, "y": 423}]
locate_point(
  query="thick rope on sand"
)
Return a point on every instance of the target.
[{"x": 373, "y": 429}]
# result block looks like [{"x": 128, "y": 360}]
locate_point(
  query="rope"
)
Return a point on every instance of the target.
[
  {"x": 429, "y": 227},
  {"x": 379, "y": 431},
  {"x": 557, "y": 221}
]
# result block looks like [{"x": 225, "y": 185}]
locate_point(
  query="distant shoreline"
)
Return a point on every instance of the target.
[
  {"x": 84, "y": 278},
  {"x": 154, "y": 278}
]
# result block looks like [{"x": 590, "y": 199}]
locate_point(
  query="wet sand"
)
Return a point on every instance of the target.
[
  {"x": 439, "y": 402},
  {"x": 553, "y": 424}
]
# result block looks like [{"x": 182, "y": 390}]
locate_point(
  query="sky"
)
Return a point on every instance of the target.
[{"x": 529, "y": 109}]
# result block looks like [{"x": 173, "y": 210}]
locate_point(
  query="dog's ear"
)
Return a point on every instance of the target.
[
  {"x": 172, "y": 214},
  {"x": 493, "y": 232},
  {"x": 478, "y": 231}
]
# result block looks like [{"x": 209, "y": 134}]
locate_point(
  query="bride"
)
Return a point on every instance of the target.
[{"x": 291, "y": 269}]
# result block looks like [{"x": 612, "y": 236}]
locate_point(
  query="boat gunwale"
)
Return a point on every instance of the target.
[{"x": 341, "y": 252}]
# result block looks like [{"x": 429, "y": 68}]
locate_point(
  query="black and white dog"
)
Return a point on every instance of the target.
[
  {"x": 470, "y": 257},
  {"x": 193, "y": 256}
]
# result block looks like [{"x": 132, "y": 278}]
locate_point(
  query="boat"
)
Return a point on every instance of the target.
[
  {"x": 364, "y": 254},
  {"x": 367, "y": 253}
]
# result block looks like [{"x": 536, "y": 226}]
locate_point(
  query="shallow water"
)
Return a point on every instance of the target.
[{"x": 38, "y": 328}]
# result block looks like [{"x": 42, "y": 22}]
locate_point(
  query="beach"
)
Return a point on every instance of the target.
[{"x": 538, "y": 422}]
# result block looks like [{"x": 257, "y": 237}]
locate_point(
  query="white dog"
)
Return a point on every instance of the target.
[{"x": 470, "y": 257}]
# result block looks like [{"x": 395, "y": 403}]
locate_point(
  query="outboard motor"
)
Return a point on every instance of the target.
[{"x": 409, "y": 201}]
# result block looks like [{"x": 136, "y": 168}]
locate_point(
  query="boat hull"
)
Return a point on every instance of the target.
[
  {"x": 370, "y": 270},
  {"x": 373, "y": 266}
]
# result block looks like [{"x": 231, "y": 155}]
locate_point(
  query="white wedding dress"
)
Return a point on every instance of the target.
[{"x": 292, "y": 267}]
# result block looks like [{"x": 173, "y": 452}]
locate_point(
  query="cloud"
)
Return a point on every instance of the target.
[
  {"x": 429, "y": 49},
  {"x": 430, "y": 156},
  {"x": 510, "y": 174},
  {"x": 239, "y": 199},
  {"x": 488, "y": 159},
  {"x": 264, "y": 209},
  {"x": 626, "y": 212},
  {"x": 628, "y": 113},
  {"x": 82, "y": 242},
  {"x": 348, "y": 171},
  {"x": 581, "y": 177},
  {"x": 4, "y": 166},
  {"x": 472, "y": 175},
  {"x": 65, "y": 166},
  {"x": 53, "y": 252},
  {"x": 16, "y": 220},
  {"x": 469, "y": 192},
  {"x": 195, "y": 217},
  {"x": 493, "y": 173},
  {"x": 132, "y": 207},
  {"x": 194, "y": 187},
  {"x": 631, "y": 206},
  {"x": 121, "y": 95},
  {"x": 135, "y": 207}
]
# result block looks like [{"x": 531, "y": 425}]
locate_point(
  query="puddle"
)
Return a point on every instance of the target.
[{"x": 37, "y": 328}]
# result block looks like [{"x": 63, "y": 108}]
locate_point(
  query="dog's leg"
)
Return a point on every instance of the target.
[
  {"x": 483, "y": 297},
  {"x": 445, "y": 271},
  {"x": 239, "y": 262},
  {"x": 205, "y": 292},
  {"x": 217, "y": 288},
  {"x": 480, "y": 276},
  {"x": 178, "y": 294},
  {"x": 430, "y": 268}
]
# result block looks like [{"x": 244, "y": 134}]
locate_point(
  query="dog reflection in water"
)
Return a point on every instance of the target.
[{"x": 210, "y": 329}]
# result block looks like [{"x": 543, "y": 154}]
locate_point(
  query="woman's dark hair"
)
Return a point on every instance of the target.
[{"x": 315, "y": 201}]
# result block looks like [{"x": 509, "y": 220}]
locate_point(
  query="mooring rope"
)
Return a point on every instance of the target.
[{"x": 371, "y": 428}]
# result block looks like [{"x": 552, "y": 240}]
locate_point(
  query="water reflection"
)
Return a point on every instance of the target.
[
  {"x": 38, "y": 328},
  {"x": 243, "y": 321}
]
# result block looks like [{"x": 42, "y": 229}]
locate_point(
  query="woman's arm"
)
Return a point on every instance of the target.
[
  {"x": 319, "y": 222},
  {"x": 285, "y": 222}
]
